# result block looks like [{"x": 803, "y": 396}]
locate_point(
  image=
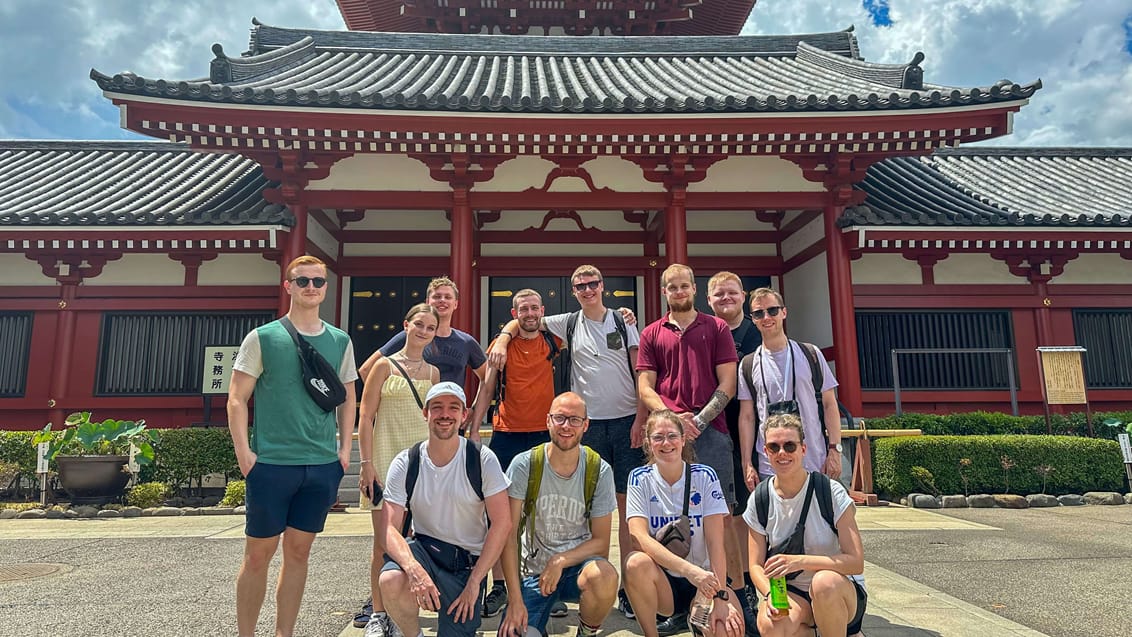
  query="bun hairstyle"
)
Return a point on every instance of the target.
[
  {"x": 668, "y": 416},
  {"x": 785, "y": 421}
]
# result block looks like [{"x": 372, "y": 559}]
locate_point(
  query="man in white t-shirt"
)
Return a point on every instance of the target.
[
  {"x": 564, "y": 549},
  {"x": 457, "y": 535},
  {"x": 603, "y": 373}
]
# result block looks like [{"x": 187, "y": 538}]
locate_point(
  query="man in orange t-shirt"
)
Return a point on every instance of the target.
[{"x": 520, "y": 417}]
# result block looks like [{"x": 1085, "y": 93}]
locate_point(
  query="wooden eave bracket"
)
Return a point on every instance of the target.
[{"x": 69, "y": 267}]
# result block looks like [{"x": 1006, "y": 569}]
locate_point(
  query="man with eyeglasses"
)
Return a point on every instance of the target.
[
  {"x": 559, "y": 550},
  {"x": 781, "y": 381},
  {"x": 297, "y": 452},
  {"x": 603, "y": 352}
]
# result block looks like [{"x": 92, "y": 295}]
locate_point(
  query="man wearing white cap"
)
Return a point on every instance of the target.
[{"x": 442, "y": 568}]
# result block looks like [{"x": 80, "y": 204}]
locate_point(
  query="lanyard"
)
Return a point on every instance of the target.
[{"x": 782, "y": 381}]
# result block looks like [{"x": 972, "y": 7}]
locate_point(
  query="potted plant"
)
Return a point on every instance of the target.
[{"x": 93, "y": 457}]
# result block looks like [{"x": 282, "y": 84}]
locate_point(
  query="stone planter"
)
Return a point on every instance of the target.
[{"x": 93, "y": 479}]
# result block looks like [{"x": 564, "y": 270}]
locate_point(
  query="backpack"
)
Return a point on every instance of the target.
[
  {"x": 822, "y": 490},
  {"x": 560, "y": 369},
  {"x": 472, "y": 467},
  {"x": 813, "y": 357},
  {"x": 567, "y": 352},
  {"x": 534, "y": 482}
]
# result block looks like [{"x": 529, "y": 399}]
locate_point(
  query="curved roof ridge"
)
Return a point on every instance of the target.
[
  {"x": 230, "y": 69},
  {"x": 908, "y": 76}
]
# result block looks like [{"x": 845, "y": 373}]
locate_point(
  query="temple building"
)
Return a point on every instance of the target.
[{"x": 503, "y": 144}]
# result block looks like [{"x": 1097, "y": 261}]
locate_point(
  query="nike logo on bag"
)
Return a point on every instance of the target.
[{"x": 320, "y": 386}]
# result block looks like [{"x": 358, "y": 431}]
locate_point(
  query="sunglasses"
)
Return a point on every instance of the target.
[
  {"x": 304, "y": 281},
  {"x": 581, "y": 287},
  {"x": 560, "y": 420},
  {"x": 788, "y": 447},
  {"x": 771, "y": 311}
]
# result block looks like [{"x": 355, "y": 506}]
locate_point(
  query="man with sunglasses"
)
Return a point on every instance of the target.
[
  {"x": 780, "y": 381},
  {"x": 297, "y": 452},
  {"x": 603, "y": 352}
]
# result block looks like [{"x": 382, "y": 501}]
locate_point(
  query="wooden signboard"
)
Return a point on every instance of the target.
[{"x": 1064, "y": 375}]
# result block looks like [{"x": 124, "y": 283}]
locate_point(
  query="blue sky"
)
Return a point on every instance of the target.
[{"x": 1081, "y": 50}]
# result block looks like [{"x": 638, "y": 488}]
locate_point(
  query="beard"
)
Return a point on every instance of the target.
[
  {"x": 566, "y": 445},
  {"x": 687, "y": 305}
]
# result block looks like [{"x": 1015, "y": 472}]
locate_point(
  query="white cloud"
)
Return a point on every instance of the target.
[{"x": 1077, "y": 47}]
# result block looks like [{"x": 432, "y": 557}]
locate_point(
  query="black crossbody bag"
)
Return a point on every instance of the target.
[{"x": 320, "y": 378}]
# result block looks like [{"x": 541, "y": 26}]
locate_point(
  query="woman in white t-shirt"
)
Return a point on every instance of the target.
[
  {"x": 656, "y": 579},
  {"x": 826, "y": 591}
]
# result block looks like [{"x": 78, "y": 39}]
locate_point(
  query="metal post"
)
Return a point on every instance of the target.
[{"x": 896, "y": 382}]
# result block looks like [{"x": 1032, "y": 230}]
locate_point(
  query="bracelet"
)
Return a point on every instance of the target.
[
  {"x": 366, "y": 460},
  {"x": 507, "y": 334}
]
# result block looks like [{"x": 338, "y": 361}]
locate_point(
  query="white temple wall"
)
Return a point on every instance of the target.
[
  {"x": 319, "y": 236},
  {"x": 891, "y": 269},
  {"x": 141, "y": 269},
  {"x": 238, "y": 269},
  {"x": 807, "y": 236},
  {"x": 379, "y": 172},
  {"x": 974, "y": 268},
  {"x": 806, "y": 292},
  {"x": 755, "y": 174},
  {"x": 20, "y": 270},
  {"x": 401, "y": 220},
  {"x": 396, "y": 249},
  {"x": 1096, "y": 269},
  {"x": 519, "y": 174}
]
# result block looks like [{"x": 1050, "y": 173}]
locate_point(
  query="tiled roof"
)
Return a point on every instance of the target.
[
  {"x": 72, "y": 183},
  {"x": 999, "y": 187},
  {"x": 415, "y": 71}
]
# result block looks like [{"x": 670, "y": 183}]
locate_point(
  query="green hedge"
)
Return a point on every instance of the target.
[
  {"x": 979, "y": 423},
  {"x": 16, "y": 447},
  {"x": 1079, "y": 464}
]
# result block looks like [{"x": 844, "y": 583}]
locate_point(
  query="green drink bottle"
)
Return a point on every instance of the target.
[{"x": 778, "y": 598}]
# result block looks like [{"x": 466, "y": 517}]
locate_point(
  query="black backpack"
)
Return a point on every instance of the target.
[
  {"x": 567, "y": 361},
  {"x": 560, "y": 366},
  {"x": 822, "y": 490},
  {"x": 472, "y": 466}
]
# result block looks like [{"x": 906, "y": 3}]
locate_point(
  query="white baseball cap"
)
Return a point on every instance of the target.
[{"x": 446, "y": 388}]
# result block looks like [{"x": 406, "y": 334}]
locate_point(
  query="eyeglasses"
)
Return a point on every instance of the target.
[
  {"x": 560, "y": 420},
  {"x": 788, "y": 447},
  {"x": 304, "y": 281},
  {"x": 772, "y": 311},
  {"x": 581, "y": 287},
  {"x": 660, "y": 439}
]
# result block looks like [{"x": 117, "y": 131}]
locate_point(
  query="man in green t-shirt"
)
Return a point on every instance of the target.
[{"x": 297, "y": 452}]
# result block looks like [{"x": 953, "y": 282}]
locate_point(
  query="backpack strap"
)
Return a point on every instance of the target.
[
  {"x": 473, "y": 467},
  {"x": 747, "y": 367},
  {"x": 534, "y": 481},
  {"x": 813, "y": 357},
  {"x": 824, "y": 493},
  {"x": 571, "y": 327},
  {"x": 762, "y": 503},
  {"x": 593, "y": 469},
  {"x": 550, "y": 342},
  {"x": 619, "y": 323},
  {"x": 411, "y": 473}
]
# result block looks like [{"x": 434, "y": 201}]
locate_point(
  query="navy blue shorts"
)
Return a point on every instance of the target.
[
  {"x": 508, "y": 444},
  {"x": 611, "y": 440},
  {"x": 296, "y": 496},
  {"x": 538, "y": 606},
  {"x": 450, "y": 585}
]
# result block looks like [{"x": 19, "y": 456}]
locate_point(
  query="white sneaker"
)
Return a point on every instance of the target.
[{"x": 382, "y": 626}]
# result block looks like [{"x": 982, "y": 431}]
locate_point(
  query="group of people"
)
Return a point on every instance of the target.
[{"x": 681, "y": 424}]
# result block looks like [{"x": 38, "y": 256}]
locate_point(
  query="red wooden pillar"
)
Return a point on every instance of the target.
[
  {"x": 842, "y": 312},
  {"x": 652, "y": 282},
  {"x": 64, "y": 348},
  {"x": 461, "y": 257},
  {"x": 676, "y": 226},
  {"x": 296, "y": 247}
]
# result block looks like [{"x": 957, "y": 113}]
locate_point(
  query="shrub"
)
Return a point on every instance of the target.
[
  {"x": 185, "y": 456},
  {"x": 1078, "y": 464},
  {"x": 233, "y": 494},
  {"x": 925, "y": 479},
  {"x": 16, "y": 448},
  {"x": 983, "y": 423},
  {"x": 147, "y": 494}
]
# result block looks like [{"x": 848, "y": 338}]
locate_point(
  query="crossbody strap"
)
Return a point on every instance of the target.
[
  {"x": 687, "y": 486},
  {"x": 408, "y": 379}
]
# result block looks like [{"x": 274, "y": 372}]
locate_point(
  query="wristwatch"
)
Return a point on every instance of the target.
[
  {"x": 720, "y": 594},
  {"x": 836, "y": 446}
]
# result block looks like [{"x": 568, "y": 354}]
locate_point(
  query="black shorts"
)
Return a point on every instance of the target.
[{"x": 862, "y": 601}]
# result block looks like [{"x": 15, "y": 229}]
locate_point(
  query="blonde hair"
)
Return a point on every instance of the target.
[
  {"x": 441, "y": 282},
  {"x": 761, "y": 292},
  {"x": 661, "y": 416},
  {"x": 524, "y": 293},
  {"x": 585, "y": 270},
  {"x": 785, "y": 421},
  {"x": 720, "y": 277},
  {"x": 306, "y": 259},
  {"x": 674, "y": 270}
]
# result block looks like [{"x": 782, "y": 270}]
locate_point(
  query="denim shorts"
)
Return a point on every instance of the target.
[
  {"x": 508, "y": 444},
  {"x": 611, "y": 440},
  {"x": 290, "y": 496},
  {"x": 713, "y": 448},
  {"x": 450, "y": 586},
  {"x": 538, "y": 606}
]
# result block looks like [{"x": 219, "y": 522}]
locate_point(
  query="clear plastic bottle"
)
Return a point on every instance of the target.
[
  {"x": 778, "y": 598},
  {"x": 700, "y": 615}
]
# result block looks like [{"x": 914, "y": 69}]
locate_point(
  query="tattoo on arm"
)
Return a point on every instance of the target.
[{"x": 719, "y": 400}]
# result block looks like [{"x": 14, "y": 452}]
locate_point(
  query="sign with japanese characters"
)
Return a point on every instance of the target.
[
  {"x": 217, "y": 369},
  {"x": 1064, "y": 375}
]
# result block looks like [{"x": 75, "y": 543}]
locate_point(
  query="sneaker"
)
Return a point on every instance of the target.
[
  {"x": 495, "y": 600},
  {"x": 362, "y": 618},
  {"x": 749, "y": 619},
  {"x": 382, "y": 626},
  {"x": 558, "y": 609},
  {"x": 673, "y": 625},
  {"x": 624, "y": 606}
]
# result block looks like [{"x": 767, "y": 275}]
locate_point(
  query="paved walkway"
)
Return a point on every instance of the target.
[{"x": 897, "y": 605}]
